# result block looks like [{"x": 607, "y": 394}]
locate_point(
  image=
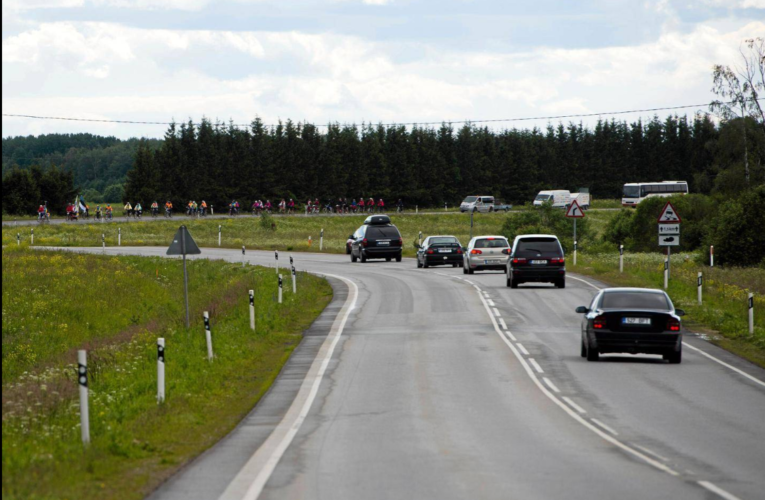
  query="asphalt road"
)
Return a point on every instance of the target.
[{"x": 432, "y": 384}]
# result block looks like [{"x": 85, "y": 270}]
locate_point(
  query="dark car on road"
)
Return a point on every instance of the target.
[
  {"x": 632, "y": 320},
  {"x": 377, "y": 238},
  {"x": 536, "y": 258},
  {"x": 439, "y": 251}
]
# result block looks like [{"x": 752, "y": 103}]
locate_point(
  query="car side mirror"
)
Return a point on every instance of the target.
[
  {"x": 679, "y": 312},
  {"x": 351, "y": 237},
  {"x": 582, "y": 310}
]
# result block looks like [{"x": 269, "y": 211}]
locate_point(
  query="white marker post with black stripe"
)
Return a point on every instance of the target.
[
  {"x": 280, "y": 288},
  {"x": 18, "y": 239},
  {"x": 751, "y": 313},
  {"x": 119, "y": 237},
  {"x": 621, "y": 258},
  {"x": 419, "y": 237},
  {"x": 321, "y": 240},
  {"x": 103, "y": 242},
  {"x": 666, "y": 272},
  {"x": 294, "y": 280},
  {"x": 32, "y": 237},
  {"x": 711, "y": 256},
  {"x": 276, "y": 257},
  {"x": 242, "y": 255},
  {"x": 252, "y": 310},
  {"x": 160, "y": 370},
  {"x": 699, "y": 282},
  {"x": 82, "y": 380},
  {"x": 220, "y": 230},
  {"x": 208, "y": 336}
]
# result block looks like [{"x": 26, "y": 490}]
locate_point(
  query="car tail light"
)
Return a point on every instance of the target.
[
  {"x": 364, "y": 242},
  {"x": 673, "y": 325},
  {"x": 599, "y": 322},
  {"x": 519, "y": 261},
  {"x": 459, "y": 251},
  {"x": 557, "y": 261},
  {"x": 401, "y": 242},
  {"x": 506, "y": 251},
  {"x": 431, "y": 252},
  {"x": 475, "y": 251}
]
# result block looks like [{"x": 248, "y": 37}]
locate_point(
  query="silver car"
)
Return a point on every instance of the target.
[{"x": 485, "y": 253}]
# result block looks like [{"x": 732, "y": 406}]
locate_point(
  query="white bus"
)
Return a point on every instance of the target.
[{"x": 635, "y": 192}]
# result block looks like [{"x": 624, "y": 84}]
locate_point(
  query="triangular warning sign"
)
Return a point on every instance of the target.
[
  {"x": 183, "y": 243},
  {"x": 669, "y": 215},
  {"x": 574, "y": 210}
]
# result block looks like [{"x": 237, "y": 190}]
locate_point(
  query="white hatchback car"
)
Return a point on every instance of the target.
[{"x": 485, "y": 253}]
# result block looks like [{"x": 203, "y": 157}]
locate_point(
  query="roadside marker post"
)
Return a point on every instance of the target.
[
  {"x": 294, "y": 280},
  {"x": 666, "y": 272},
  {"x": 751, "y": 313},
  {"x": 252, "y": 310},
  {"x": 711, "y": 256},
  {"x": 621, "y": 258},
  {"x": 82, "y": 380},
  {"x": 280, "y": 288},
  {"x": 208, "y": 336},
  {"x": 276, "y": 257},
  {"x": 32, "y": 237},
  {"x": 416, "y": 209},
  {"x": 160, "y": 370},
  {"x": 292, "y": 262},
  {"x": 18, "y": 239},
  {"x": 321, "y": 240},
  {"x": 699, "y": 282},
  {"x": 309, "y": 242},
  {"x": 103, "y": 241},
  {"x": 220, "y": 230},
  {"x": 119, "y": 237},
  {"x": 420, "y": 238},
  {"x": 242, "y": 255}
]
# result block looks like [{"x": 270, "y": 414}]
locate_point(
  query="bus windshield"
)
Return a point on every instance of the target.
[{"x": 631, "y": 191}]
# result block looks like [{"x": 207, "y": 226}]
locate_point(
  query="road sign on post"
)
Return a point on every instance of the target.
[
  {"x": 575, "y": 212},
  {"x": 183, "y": 244},
  {"x": 669, "y": 234},
  {"x": 669, "y": 215}
]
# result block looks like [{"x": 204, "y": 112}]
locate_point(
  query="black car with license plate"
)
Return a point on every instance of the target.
[
  {"x": 632, "y": 320},
  {"x": 536, "y": 258},
  {"x": 377, "y": 238},
  {"x": 439, "y": 251}
]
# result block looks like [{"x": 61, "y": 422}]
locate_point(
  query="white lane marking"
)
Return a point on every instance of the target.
[
  {"x": 251, "y": 479},
  {"x": 510, "y": 334},
  {"x": 716, "y": 489},
  {"x": 651, "y": 452},
  {"x": 740, "y": 372},
  {"x": 496, "y": 312},
  {"x": 502, "y": 323},
  {"x": 535, "y": 365},
  {"x": 522, "y": 349},
  {"x": 585, "y": 282},
  {"x": 605, "y": 426},
  {"x": 604, "y": 435},
  {"x": 468, "y": 281},
  {"x": 550, "y": 384},
  {"x": 703, "y": 353},
  {"x": 491, "y": 302},
  {"x": 574, "y": 405}
]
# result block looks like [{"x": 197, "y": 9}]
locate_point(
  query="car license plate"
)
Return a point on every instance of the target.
[
  {"x": 383, "y": 243},
  {"x": 539, "y": 262},
  {"x": 445, "y": 250},
  {"x": 489, "y": 262},
  {"x": 636, "y": 321}
]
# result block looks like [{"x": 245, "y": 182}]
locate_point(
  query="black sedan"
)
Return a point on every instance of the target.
[
  {"x": 439, "y": 251},
  {"x": 632, "y": 320}
]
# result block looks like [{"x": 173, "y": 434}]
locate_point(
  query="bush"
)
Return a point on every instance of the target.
[
  {"x": 547, "y": 220},
  {"x": 738, "y": 231},
  {"x": 618, "y": 229},
  {"x": 114, "y": 193},
  {"x": 696, "y": 212}
]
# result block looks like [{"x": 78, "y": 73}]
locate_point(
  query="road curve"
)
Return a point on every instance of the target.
[{"x": 441, "y": 385}]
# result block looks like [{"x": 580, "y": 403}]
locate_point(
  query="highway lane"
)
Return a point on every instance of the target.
[{"x": 428, "y": 395}]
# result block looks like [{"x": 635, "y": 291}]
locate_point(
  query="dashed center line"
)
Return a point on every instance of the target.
[
  {"x": 574, "y": 405},
  {"x": 496, "y": 313},
  {"x": 502, "y": 324},
  {"x": 522, "y": 349},
  {"x": 491, "y": 302},
  {"x": 604, "y": 426},
  {"x": 550, "y": 384},
  {"x": 536, "y": 365}
]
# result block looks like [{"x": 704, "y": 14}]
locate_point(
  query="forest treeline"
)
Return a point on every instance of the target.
[{"x": 431, "y": 166}]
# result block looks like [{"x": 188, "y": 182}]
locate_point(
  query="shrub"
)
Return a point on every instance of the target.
[
  {"x": 618, "y": 229},
  {"x": 547, "y": 220},
  {"x": 738, "y": 231},
  {"x": 696, "y": 212}
]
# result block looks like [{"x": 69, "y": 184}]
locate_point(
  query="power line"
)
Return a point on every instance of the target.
[{"x": 457, "y": 122}]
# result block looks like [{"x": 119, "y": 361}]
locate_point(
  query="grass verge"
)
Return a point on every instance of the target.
[
  {"x": 56, "y": 302},
  {"x": 723, "y": 315}
]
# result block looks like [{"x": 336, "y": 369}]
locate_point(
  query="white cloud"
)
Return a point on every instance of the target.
[{"x": 737, "y": 4}]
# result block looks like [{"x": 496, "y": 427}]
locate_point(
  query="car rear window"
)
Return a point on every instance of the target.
[
  {"x": 492, "y": 243},
  {"x": 382, "y": 232},
  {"x": 533, "y": 247},
  {"x": 443, "y": 241},
  {"x": 634, "y": 300}
]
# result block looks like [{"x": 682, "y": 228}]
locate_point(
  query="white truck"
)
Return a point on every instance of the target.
[{"x": 561, "y": 198}]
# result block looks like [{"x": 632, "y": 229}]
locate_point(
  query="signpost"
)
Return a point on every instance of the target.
[
  {"x": 575, "y": 212},
  {"x": 183, "y": 244},
  {"x": 669, "y": 234}
]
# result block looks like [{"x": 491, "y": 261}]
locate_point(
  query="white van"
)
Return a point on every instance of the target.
[
  {"x": 477, "y": 204},
  {"x": 560, "y": 198}
]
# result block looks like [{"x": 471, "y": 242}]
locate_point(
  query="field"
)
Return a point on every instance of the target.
[{"x": 116, "y": 307}]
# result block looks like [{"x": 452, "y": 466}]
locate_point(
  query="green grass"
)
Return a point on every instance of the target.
[
  {"x": 291, "y": 233},
  {"x": 116, "y": 307},
  {"x": 606, "y": 203},
  {"x": 723, "y": 313}
]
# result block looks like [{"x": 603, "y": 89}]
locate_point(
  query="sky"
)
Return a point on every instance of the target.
[{"x": 359, "y": 61}]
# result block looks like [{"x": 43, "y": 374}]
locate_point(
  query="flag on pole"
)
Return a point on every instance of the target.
[{"x": 82, "y": 204}]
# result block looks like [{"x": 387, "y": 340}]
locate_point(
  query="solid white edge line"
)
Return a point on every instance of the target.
[
  {"x": 253, "y": 476},
  {"x": 651, "y": 452},
  {"x": 502, "y": 323},
  {"x": 602, "y": 434},
  {"x": 550, "y": 384},
  {"x": 609, "y": 429},
  {"x": 536, "y": 365},
  {"x": 575, "y": 406},
  {"x": 717, "y": 490},
  {"x": 522, "y": 349},
  {"x": 700, "y": 351}
]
